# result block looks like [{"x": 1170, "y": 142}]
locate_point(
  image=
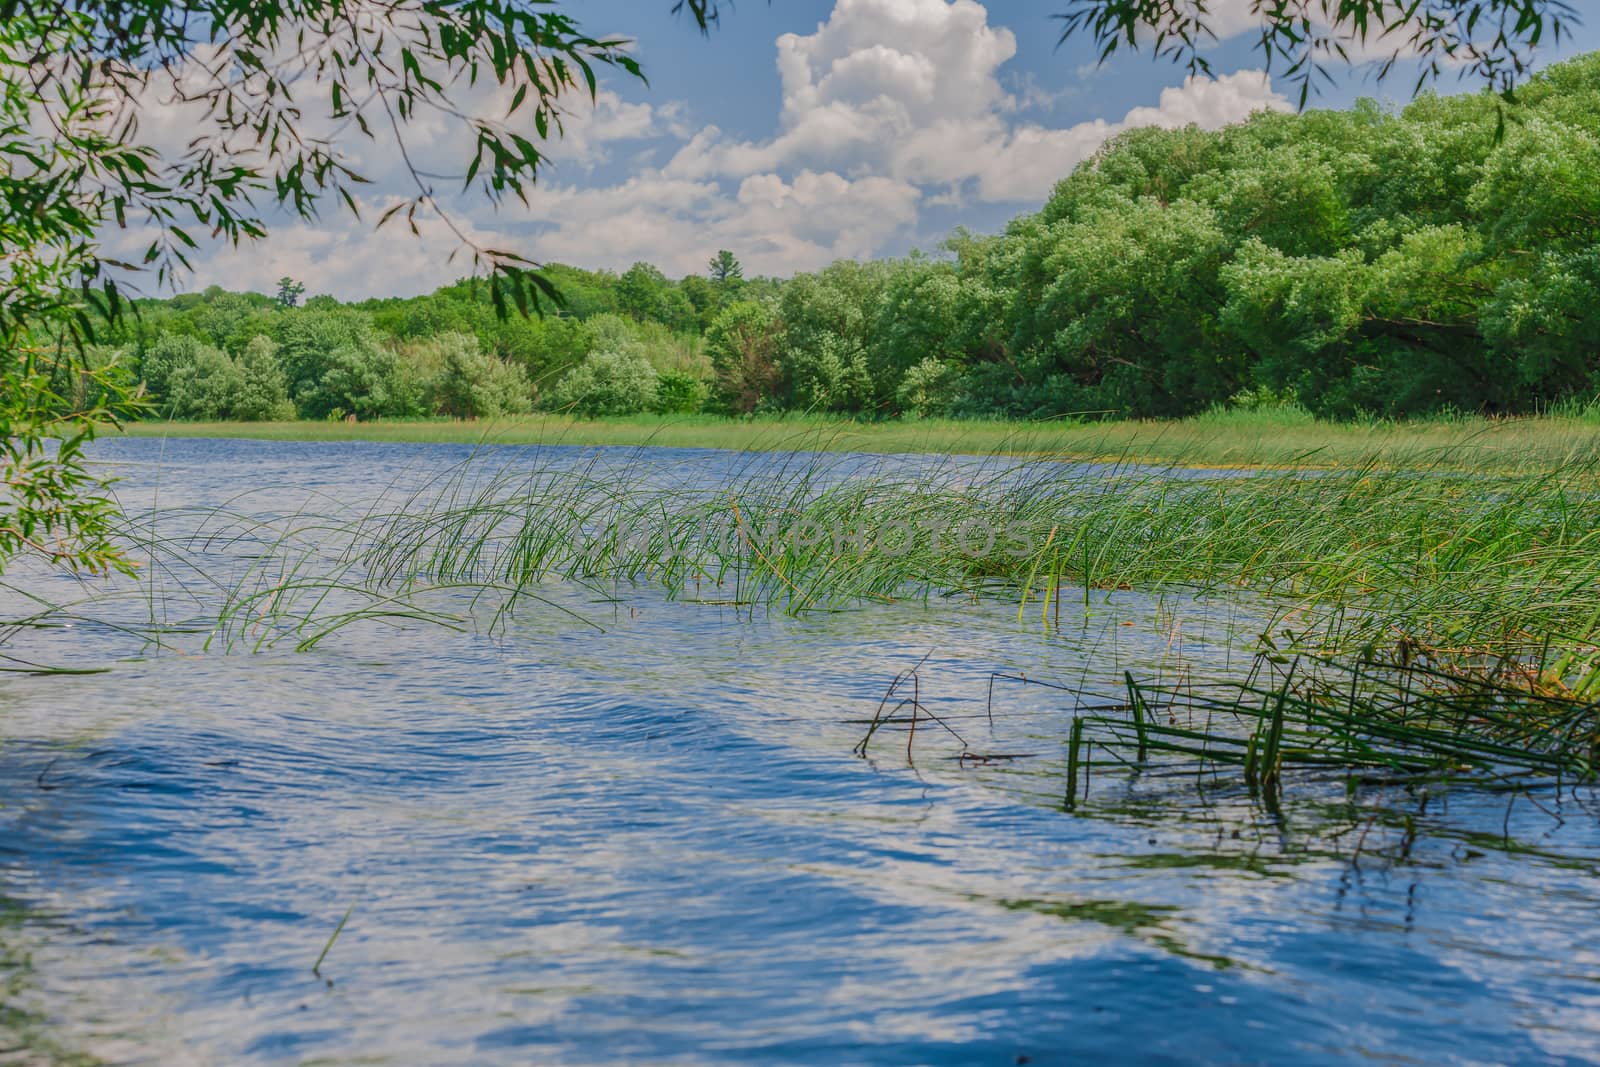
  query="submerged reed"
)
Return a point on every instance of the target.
[{"x": 1371, "y": 720}]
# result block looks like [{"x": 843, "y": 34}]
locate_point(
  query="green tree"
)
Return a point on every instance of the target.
[
  {"x": 1538, "y": 188},
  {"x": 741, "y": 343},
  {"x": 205, "y": 387},
  {"x": 264, "y": 389},
  {"x": 228, "y": 320},
  {"x": 724, "y": 268},
  {"x": 1118, "y": 311},
  {"x": 166, "y": 356},
  {"x": 608, "y": 382},
  {"x": 289, "y": 291},
  {"x": 54, "y": 507},
  {"x": 361, "y": 379},
  {"x": 647, "y": 295},
  {"x": 470, "y": 383},
  {"x": 705, "y": 297},
  {"x": 584, "y": 293},
  {"x": 308, "y": 337},
  {"x": 917, "y": 323},
  {"x": 1546, "y": 324},
  {"x": 828, "y": 322}
]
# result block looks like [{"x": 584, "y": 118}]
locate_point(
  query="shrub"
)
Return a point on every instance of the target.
[
  {"x": 470, "y": 383},
  {"x": 161, "y": 358},
  {"x": 308, "y": 339},
  {"x": 205, "y": 387},
  {"x": 678, "y": 392},
  {"x": 931, "y": 387},
  {"x": 828, "y": 328},
  {"x": 608, "y": 383},
  {"x": 742, "y": 345},
  {"x": 364, "y": 380},
  {"x": 263, "y": 387},
  {"x": 827, "y": 374}
]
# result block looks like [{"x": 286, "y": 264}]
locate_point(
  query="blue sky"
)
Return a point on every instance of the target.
[{"x": 798, "y": 132}]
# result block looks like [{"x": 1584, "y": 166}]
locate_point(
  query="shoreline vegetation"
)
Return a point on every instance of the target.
[
  {"x": 1279, "y": 438},
  {"x": 1457, "y": 562}
]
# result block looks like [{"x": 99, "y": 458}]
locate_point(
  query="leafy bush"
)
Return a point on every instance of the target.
[
  {"x": 205, "y": 387},
  {"x": 918, "y": 320},
  {"x": 678, "y": 392},
  {"x": 932, "y": 387},
  {"x": 469, "y": 383},
  {"x": 161, "y": 358},
  {"x": 263, "y": 389},
  {"x": 608, "y": 382},
  {"x": 828, "y": 321},
  {"x": 365, "y": 380},
  {"x": 307, "y": 340}
]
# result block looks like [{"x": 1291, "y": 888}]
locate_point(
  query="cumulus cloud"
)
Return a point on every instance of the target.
[
  {"x": 891, "y": 87},
  {"x": 1032, "y": 158},
  {"x": 592, "y": 129},
  {"x": 911, "y": 89},
  {"x": 888, "y": 107},
  {"x": 779, "y": 224},
  {"x": 338, "y": 254}
]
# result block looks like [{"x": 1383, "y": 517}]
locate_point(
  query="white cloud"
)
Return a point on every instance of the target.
[
  {"x": 591, "y": 128},
  {"x": 895, "y": 87},
  {"x": 1033, "y": 158},
  {"x": 338, "y": 254},
  {"x": 779, "y": 225},
  {"x": 928, "y": 106},
  {"x": 888, "y": 108},
  {"x": 1230, "y": 18}
]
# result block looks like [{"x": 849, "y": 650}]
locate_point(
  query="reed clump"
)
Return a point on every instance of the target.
[
  {"x": 1360, "y": 562},
  {"x": 1443, "y": 623},
  {"x": 1492, "y": 723},
  {"x": 1345, "y": 561},
  {"x": 1406, "y": 724}
]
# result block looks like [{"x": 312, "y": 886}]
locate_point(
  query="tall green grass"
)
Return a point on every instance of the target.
[{"x": 1353, "y": 559}]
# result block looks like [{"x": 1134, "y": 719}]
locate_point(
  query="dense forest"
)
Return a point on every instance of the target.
[{"x": 1445, "y": 256}]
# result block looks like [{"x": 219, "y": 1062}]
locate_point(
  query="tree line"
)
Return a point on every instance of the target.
[{"x": 1369, "y": 261}]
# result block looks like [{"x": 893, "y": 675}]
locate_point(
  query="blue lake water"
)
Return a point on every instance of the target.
[{"x": 648, "y": 839}]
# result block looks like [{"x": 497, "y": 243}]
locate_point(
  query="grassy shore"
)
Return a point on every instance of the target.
[{"x": 1280, "y": 438}]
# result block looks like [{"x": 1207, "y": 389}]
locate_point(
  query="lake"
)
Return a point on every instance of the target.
[{"x": 610, "y": 826}]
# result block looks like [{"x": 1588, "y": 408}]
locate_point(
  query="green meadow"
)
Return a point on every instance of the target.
[{"x": 1283, "y": 437}]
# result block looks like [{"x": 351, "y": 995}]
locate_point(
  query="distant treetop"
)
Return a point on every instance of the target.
[{"x": 724, "y": 268}]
